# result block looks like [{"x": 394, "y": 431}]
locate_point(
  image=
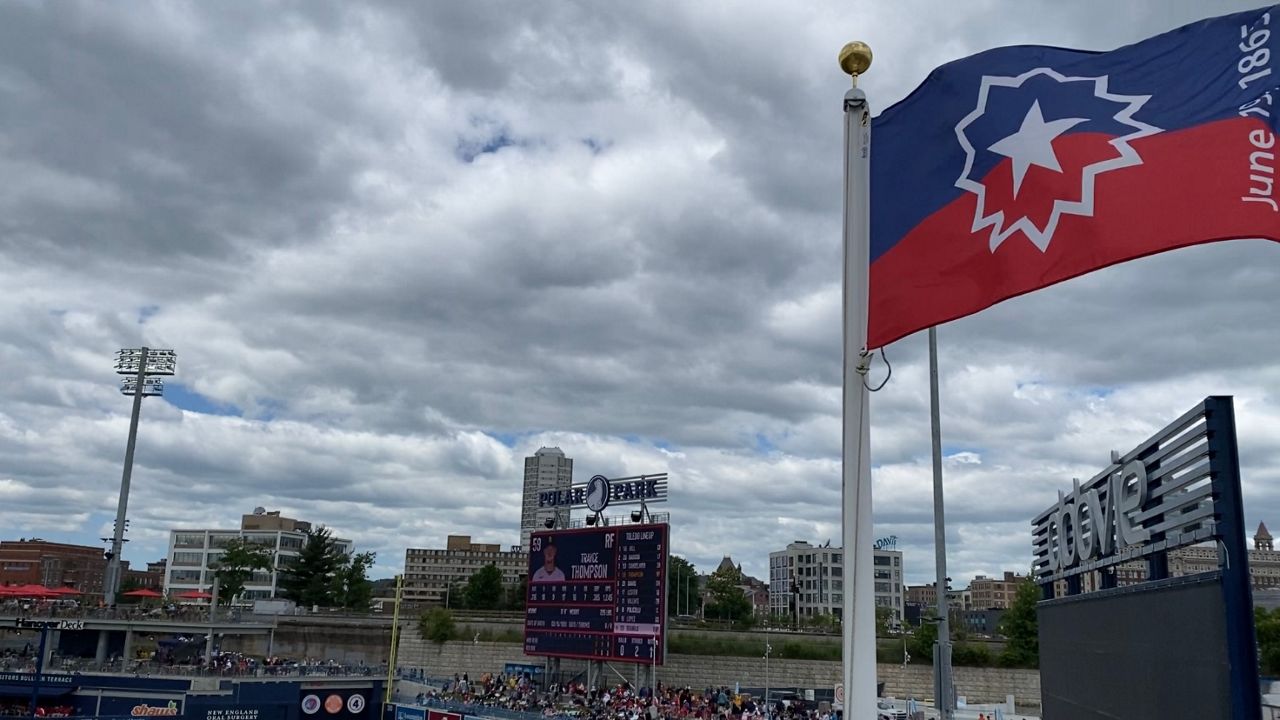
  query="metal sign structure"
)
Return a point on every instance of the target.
[
  {"x": 600, "y": 492},
  {"x": 1180, "y": 487}
]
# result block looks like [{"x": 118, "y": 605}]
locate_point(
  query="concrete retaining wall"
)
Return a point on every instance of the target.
[
  {"x": 977, "y": 684},
  {"x": 371, "y": 645}
]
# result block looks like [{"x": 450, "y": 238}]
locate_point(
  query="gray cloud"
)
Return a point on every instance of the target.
[{"x": 413, "y": 242}]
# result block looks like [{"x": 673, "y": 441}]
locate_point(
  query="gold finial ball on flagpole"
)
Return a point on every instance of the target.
[{"x": 855, "y": 58}]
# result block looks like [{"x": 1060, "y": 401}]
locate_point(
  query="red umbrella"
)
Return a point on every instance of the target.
[
  {"x": 143, "y": 593},
  {"x": 66, "y": 590},
  {"x": 32, "y": 591},
  {"x": 194, "y": 595}
]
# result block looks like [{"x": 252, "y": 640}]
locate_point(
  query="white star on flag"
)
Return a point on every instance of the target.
[{"x": 1032, "y": 144}]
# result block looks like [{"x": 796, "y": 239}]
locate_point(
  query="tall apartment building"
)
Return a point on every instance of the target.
[
  {"x": 40, "y": 562},
  {"x": 430, "y": 573},
  {"x": 192, "y": 550},
  {"x": 547, "y": 469},
  {"x": 818, "y": 577}
]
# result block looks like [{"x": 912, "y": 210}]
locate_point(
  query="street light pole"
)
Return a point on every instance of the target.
[
  {"x": 138, "y": 364},
  {"x": 768, "y": 649}
]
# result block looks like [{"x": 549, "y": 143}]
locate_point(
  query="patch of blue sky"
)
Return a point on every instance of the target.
[{"x": 184, "y": 398}]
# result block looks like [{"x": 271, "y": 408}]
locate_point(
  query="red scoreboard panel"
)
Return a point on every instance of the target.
[{"x": 598, "y": 594}]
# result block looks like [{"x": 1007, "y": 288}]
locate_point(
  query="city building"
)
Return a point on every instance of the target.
[
  {"x": 1264, "y": 566},
  {"x": 192, "y": 552},
  {"x": 754, "y": 589},
  {"x": 923, "y": 595},
  {"x": 430, "y": 573},
  {"x": 806, "y": 580},
  {"x": 994, "y": 593},
  {"x": 35, "y": 561},
  {"x": 152, "y": 578},
  {"x": 546, "y": 470}
]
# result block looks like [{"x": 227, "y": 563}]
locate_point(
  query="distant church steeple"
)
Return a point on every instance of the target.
[{"x": 1262, "y": 539}]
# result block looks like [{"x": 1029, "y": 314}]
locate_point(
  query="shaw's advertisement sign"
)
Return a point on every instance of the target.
[{"x": 145, "y": 710}]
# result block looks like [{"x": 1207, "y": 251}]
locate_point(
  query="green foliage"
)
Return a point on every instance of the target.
[
  {"x": 437, "y": 625},
  {"x": 729, "y": 645},
  {"x": 312, "y": 578},
  {"x": 884, "y": 617},
  {"x": 352, "y": 589},
  {"x": 516, "y": 595},
  {"x": 971, "y": 655},
  {"x": 455, "y": 597},
  {"x": 682, "y": 587},
  {"x": 1020, "y": 628},
  {"x": 889, "y": 654},
  {"x": 236, "y": 565},
  {"x": 1267, "y": 627},
  {"x": 920, "y": 645},
  {"x": 726, "y": 600},
  {"x": 484, "y": 589}
]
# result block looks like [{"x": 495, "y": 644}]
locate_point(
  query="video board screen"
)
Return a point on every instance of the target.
[
  {"x": 598, "y": 594},
  {"x": 1140, "y": 655}
]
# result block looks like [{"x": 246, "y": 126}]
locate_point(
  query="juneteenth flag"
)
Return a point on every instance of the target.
[{"x": 1021, "y": 167}]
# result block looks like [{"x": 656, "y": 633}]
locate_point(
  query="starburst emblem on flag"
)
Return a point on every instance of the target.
[{"x": 1030, "y": 148}]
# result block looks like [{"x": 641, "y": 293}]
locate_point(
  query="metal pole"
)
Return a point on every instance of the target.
[
  {"x": 767, "y": 650},
  {"x": 213, "y": 605},
  {"x": 395, "y": 637},
  {"x": 858, "y": 630},
  {"x": 942, "y": 686},
  {"x": 117, "y": 538},
  {"x": 35, "y": 682}
]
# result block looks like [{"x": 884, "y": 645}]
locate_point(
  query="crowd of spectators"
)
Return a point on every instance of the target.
[
  {"x": 22, "y": 709},
  {"x": 620, "y": 702}
]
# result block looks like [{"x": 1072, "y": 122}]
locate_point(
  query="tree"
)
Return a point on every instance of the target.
[
  {"x": 884, "y": 621},
  {"x": 352, "y": 589},
  {"x": 310, "y": 579},
  {"x": 1022, "y": 648},
  {"x": 726, "y": 600},
  {"x": 920, "y": 646},
  {"x": 436, "y": 625},
  {"x": 1267, "y": 627},
  {"x": 682, "y": 587},
  {"x": 484, "y": 589},
  {"x": 518, "y": 593},
  {"x": 236, "y": 565}
]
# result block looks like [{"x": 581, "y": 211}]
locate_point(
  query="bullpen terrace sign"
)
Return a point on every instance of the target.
[{"x": 599, "y": 492}]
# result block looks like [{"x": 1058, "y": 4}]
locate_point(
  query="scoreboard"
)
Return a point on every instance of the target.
[{"x": 598, "y": 594}]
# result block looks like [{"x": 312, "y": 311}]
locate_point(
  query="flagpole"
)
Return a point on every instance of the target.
[
  {"x": 858, "y": 641},
  {"x": 942, "y": 687}
]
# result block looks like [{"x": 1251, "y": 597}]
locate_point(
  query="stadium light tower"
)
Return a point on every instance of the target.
[{"x": 143, "y": 369}]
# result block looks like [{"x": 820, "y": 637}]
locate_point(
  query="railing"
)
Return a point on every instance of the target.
[
  {"x": 183, "y": 614},
  {"x": 238, "y": 670}
]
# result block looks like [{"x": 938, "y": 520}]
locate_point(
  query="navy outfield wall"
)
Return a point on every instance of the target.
[{"x": 319, "y": 698}]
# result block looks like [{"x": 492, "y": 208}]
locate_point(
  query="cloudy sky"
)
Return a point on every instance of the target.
[{"x": 400, "y": 246}]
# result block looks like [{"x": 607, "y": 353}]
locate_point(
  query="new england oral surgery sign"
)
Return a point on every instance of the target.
[
  {"x": 599, "y": 492},
  {"x": 1160, "y": 495}
]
